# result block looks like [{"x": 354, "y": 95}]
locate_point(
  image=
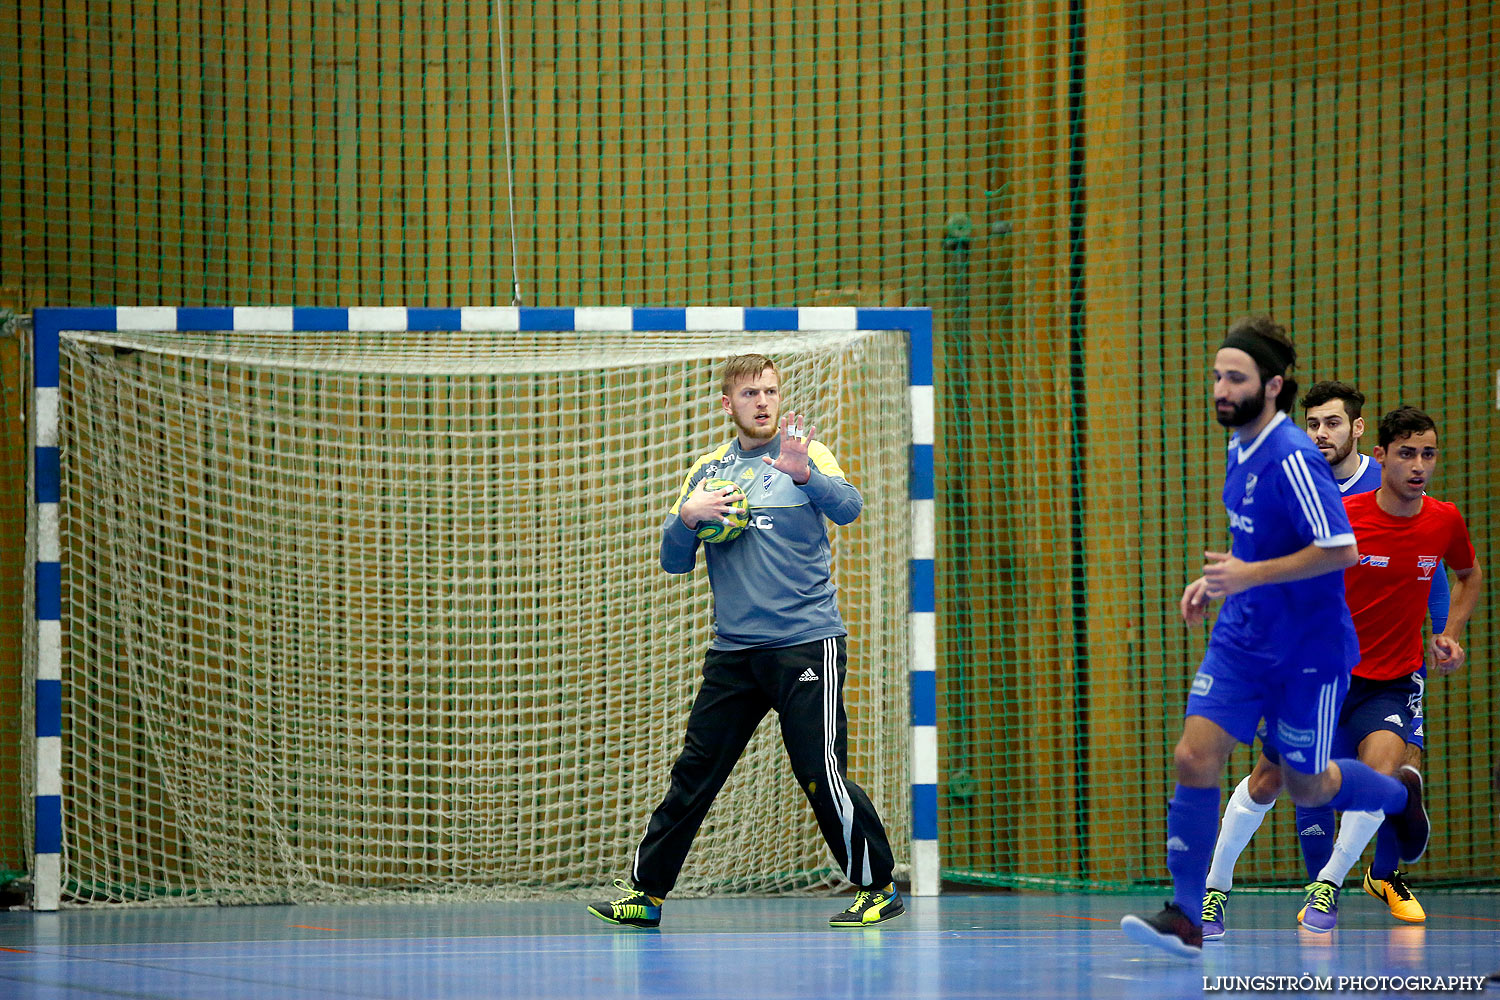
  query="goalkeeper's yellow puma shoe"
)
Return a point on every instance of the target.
[
  {"x": 1394, "y": 893},
  {"x": 634, "y": 908},
  {"x": 870, "y": 906}
]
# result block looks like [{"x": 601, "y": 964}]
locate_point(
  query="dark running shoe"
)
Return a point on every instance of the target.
[
  {"x": 870, "y": 906},
  {"x": 1412, "y": 826},
  {"x": 634, "y": 908},
  {"x": 1214, "y": 902},
  {"x": 1320, "y": 908},
  {"x": 1171, "y": 930}
]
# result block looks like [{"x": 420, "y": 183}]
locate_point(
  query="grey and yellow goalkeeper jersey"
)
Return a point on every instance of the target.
[{"x": 771, "y": 585}]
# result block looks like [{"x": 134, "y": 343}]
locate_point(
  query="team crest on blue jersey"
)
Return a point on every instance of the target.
[
  {"x": 1250, "y": 482},
  {"x": 1425, "y": 566}
]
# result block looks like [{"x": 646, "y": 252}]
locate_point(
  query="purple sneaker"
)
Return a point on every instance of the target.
[
  {"x": 1213, "y": 914},
  {"x": 1320, "y": 909}
]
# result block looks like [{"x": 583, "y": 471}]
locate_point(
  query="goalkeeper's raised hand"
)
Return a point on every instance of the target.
[{"x": 795, "y": 439}]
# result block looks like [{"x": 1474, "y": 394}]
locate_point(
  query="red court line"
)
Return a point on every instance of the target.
[
  {"x": 310, "y": 927},
  {"x": 1069, "y": 916},
  {"x": 1453, "y": 916},
  {"x": 16, "y": 951}
]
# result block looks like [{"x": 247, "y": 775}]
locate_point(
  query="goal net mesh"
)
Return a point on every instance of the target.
[{"x": 353, "y": 614}]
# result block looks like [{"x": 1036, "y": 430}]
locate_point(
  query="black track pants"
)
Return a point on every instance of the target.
[{"x": 805, "y": 685}]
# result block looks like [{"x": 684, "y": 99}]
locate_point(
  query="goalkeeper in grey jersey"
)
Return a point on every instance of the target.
[{"x": 778, "y": 644}]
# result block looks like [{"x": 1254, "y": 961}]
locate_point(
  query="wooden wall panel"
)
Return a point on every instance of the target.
[
  {"x": 337, "y": 152},
  {"x": 14, "y": 739},
  {"x": 1112, "y": 351}
]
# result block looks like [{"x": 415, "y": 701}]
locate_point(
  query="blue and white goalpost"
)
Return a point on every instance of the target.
[{"x": 273, "y": 339}]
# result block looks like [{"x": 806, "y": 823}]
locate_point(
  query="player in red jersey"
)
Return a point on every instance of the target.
[{"x": 1403, "y": 534}]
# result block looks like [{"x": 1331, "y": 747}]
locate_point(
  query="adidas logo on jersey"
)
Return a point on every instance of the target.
[
  {"x": 1296, "y": 755},
  {"x": 808, "y": 675},
  {"x": 1316, "y": 830},
  {"x": 1394, "y": 718},
  {"x": 1177, "y": 844}
]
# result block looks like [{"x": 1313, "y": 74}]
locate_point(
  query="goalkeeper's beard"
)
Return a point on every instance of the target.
[{"x": 755, "y": 432}]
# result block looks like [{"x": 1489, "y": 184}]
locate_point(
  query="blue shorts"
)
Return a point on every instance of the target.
[
  {"x": 1370, "y": 707},
  {"x": 1298, "y": 699}
]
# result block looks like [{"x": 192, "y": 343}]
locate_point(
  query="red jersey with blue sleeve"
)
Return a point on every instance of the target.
[
  {"x": 1366, "y": 479},
  {"x": 1280, "y": 496},
  {"x": 1387, "y": 589}
]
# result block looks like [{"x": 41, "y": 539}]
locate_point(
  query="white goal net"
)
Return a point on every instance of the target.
[{"x": 353, "y": 614}]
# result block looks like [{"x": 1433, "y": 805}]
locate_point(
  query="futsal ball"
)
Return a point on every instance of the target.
[{"x": 736, "y": 521}]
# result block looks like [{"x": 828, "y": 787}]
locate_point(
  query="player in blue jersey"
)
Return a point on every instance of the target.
[
  {"x": 1283, "y": 645},
  {"x": 779, "y": 644},
  {"x": 1334, "y": 419}
]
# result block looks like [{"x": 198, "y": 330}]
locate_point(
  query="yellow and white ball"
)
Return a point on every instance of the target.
[{"x": 734, "y": 523}]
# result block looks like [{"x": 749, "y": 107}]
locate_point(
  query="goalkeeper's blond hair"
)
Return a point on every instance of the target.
[{"x": 744, "y": 366}]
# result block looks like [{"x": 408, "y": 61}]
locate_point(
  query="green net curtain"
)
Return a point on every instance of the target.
[{"x": 1086, "y": 194}]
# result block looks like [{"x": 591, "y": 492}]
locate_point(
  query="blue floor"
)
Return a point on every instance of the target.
[{"x": 993, "y": 945}]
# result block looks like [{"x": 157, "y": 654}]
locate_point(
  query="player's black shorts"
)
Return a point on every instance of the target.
[{"x": 1369, "y": 707}]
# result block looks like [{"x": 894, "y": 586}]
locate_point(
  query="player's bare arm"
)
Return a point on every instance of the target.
[
  {"x": 1447, "y": 652},
  {"x": 704, "y": 504},
  {"x": 795, "y": 438},
  {"x": 1194, "y": 603},
  {"x": 1225, "y": 574}
]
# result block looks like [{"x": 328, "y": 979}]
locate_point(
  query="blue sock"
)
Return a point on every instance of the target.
[
  {"x": 1315, "y": 832},
  {"x": 1192, "y": 825},
  {"x": 1387, "y": 853},
  {"x": 1367, "y": 790}
]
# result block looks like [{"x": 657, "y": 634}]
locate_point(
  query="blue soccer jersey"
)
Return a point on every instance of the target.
[
  {"x": 1280, "y": 496},
  {"x": 1281, "y": 651},
  {"x": 1366, "y": 478}
]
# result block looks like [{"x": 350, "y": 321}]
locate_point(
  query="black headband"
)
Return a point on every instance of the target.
[{"x": 1268, "y": 354}]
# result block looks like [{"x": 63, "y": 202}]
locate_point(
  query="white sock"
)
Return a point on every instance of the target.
[
  {"x": 1355, "y": 832},
  {"x": 1242, "y": 817}
]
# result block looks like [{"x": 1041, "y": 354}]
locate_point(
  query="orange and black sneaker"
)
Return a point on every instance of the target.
[{"x": 1392, "y": 890}]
